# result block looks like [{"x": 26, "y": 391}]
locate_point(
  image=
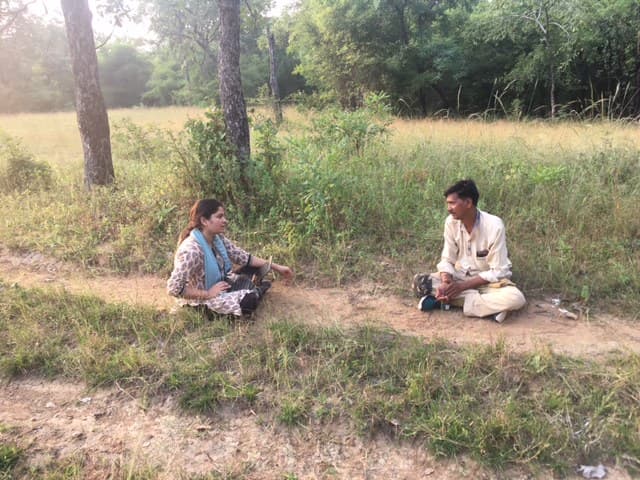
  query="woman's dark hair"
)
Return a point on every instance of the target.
[
  {"x": 202, "y": 208},
  {"x": 464, "y": 189}
]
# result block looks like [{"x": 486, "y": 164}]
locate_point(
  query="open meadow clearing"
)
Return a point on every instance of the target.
[{"x": 338, "y": 375}]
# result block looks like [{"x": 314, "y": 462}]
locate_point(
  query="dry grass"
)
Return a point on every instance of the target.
[
  {"x": 550, "y": 137},
  {"x": 54, "y": 137}
]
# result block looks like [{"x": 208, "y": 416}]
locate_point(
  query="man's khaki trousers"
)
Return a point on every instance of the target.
[{"x": 486, "y": 300}]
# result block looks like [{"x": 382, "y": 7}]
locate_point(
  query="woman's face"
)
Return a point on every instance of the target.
[{"x": 215, "y": 224}]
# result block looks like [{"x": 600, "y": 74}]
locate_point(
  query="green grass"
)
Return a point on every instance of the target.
[
  {"x": 502, "y": 408},
  {"x": 9, "y": 456}
]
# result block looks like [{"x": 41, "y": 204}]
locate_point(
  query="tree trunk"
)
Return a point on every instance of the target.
[
  {"x": 637, "y": 79},
  {"x": 93, "y": 122},
  {"x": 443, "y": 96},
  {"x": 231, "y": 96},
  {"x": 404, "y": 31},
  {"x": 552, "y": 90},
  {"x": 273, "y": 79}
]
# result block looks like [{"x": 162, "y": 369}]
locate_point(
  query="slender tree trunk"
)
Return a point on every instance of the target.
[
  {"x": 443, "y": 96},
  {"x": 552, "y": 90},
  {"x": 231, "y": 96},
  {"x": 637, "y": 79},
  {"x": 404, "y": 32},
  {"x": 93, "y": 121},
  {"x": 273, "y": 79}
]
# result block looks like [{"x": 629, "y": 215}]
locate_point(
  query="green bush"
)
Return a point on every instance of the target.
[
  {"x": 137, "y": 143},
  {"x": 22, "y": 171},
  {"x": 207, "y": 164},
  {"x": 325, "y": 190},
  {"x": 265, "y": 170}
]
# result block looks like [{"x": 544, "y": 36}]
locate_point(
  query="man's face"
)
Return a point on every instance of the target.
[{"x": 458, "y": 207}]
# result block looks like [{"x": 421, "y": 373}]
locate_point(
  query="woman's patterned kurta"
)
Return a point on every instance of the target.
[{"x": 188, "y": 270}]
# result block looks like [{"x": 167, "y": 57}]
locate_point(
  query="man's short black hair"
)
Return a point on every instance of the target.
[{"x": 464, "y": 189}]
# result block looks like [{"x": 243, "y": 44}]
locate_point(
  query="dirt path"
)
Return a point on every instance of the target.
[
  {"x": 110, "y": 429},
  {"x": 540, "y": 324}
]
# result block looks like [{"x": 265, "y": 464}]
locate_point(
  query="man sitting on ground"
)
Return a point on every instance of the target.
[{"x": 474, "y": 271}]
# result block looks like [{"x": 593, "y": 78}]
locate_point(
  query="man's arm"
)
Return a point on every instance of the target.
[
  {"x": 498, "y": 258},
  {"x": 451, "y": 289},
  {"x": 450, "y": 251}
]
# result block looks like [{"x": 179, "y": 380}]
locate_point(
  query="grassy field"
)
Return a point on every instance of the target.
[
  {"x": 347, "y": 194},
  {"x": 338, "y": 196},
  {"x": 54, "y": 137}
]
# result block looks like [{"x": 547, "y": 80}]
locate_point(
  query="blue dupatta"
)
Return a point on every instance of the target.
[{"x": 212, "y": 271}]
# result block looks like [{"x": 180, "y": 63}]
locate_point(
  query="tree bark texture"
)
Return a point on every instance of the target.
[
  {"x": 273, "y": 79},
  {"x": 231, "y": 95},
  {"x": 93, "y": 121}
]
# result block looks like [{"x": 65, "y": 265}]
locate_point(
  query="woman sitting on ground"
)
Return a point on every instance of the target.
[{"x": 202, "y": 274}]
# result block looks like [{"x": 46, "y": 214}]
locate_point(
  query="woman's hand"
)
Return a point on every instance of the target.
[
  {"x": 283, "y": 270},
  {"x": 217, "y": 289}
]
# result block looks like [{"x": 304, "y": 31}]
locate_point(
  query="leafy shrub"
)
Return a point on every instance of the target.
[
  {"x": 266, "y": 166},
  {"x": 268, "y": 149},
  {"x": 351, "y": 131},
  {"x": 325, "y": 193},
  {"x": 22, "y": 171},
  {"x": 207, "y": 163},
  {"x": 133, "y": 142}
]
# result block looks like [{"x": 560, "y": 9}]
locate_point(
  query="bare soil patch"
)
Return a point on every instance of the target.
[{"x": 110, "y": 429}]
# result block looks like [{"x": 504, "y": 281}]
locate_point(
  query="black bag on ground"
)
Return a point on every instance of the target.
[{"x": 242, "y": 282}]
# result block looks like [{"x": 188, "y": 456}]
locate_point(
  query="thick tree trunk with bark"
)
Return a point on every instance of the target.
[
  {"x": 273, "y": 79},
  {"x": 91, "y": 112},
  {"x": 231, "y": 96}
]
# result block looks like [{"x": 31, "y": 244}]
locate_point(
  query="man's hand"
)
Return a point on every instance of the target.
[
  {"x": 450, "y": 290},
  {"x": 446, "y": 280}
]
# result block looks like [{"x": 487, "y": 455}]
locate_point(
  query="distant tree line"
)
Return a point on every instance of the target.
[{"x": 513, "y": 58}]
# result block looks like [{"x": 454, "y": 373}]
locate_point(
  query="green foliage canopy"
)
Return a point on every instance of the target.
[{"x": 124, "y": 73}]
